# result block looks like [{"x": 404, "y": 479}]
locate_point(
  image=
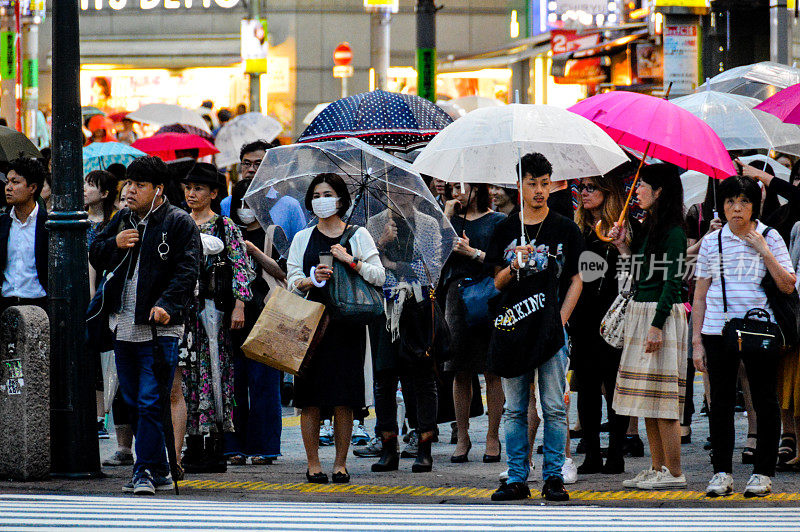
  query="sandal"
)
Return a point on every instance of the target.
[
  {"x": 237, "y": 459},
  {"x": 261, "y": 460},
  {"x": 749, "y": 453}
]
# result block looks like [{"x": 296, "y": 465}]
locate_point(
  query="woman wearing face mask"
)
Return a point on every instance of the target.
[
  {"x": 225, "y": 277},
  {"x": 335, "y": 379},
  {"x": 257, "y": 412}
]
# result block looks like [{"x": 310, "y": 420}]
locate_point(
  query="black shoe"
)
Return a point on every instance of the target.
[
  {"x": 424, "y": 460},
  {"x": 317, "y": 478},
  {"x": 634, "y": 447},
  {"x": 686, "y": 440},
  {"x": 287, "y": 393},
  {"x": 613, "y": 466},
  {"x": 575, "y": 434},
  {"x": 341, "y": 478},
  {"x": 591, "y": 465},
  {"x": 390, "y": 457},
  {"x": 453, "y": 433},
  {"x": 461, "y": 458},
  {"x": 707, "y": 444},
  {"x": 492, "y": 458},
  {"x": 516, "y": 491},
  {"x": 553, "y": 490}
]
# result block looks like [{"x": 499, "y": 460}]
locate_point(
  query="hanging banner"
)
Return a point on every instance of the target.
[
  {"x": 681, "y": 49},
  {"x": 8, "y": 61}
]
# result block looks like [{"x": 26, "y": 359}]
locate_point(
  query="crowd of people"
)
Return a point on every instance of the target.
[{"x": 185, "y": 272}]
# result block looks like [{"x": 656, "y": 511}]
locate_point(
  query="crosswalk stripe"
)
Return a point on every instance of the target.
[{"x": 32, "y": 512}]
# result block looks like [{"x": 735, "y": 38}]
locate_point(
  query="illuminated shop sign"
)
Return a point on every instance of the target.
[{"x": 117, "y": 5}]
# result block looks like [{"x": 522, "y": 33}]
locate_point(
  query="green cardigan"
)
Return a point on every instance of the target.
[{"x": 664, "y": 285}]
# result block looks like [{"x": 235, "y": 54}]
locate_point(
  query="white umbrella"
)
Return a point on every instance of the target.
[
  {"x": 485, "y": 145},
  {"x": 211, "y": 319},
  {"x": 241, "y": 130},
  {"x": 458, "y": 107},
  {"x": 164, "y": 114},
  {"x": 739, "y": 126},
  {"x": 314, "y": 112}
]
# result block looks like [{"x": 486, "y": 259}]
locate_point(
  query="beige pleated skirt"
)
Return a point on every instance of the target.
[{"x": 652, "y": 385}]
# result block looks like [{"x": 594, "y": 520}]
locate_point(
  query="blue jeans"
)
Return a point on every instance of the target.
[
  {"x": 139, "y": 388},
  {"x": 552, "y": 384},
  {"x": 257, "y": 414}
]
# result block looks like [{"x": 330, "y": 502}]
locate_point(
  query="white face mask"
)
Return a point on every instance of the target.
[
  {"x": 324, "y": 207},
  {"x": 247, "y": 216}
]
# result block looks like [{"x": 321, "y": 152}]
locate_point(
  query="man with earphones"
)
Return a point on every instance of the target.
[{"x": 150, "y": 252}]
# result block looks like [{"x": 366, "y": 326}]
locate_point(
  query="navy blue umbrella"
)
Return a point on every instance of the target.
[{"x": 386, "y": 120}]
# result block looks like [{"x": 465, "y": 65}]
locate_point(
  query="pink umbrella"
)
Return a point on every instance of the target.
[
  {"x": 784, "y": 104},
  {"x": 658, "y": 129}
]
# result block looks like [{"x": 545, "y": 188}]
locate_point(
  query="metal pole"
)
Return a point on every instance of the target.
[
  {"x": 30, "y": 78},
  {"x": 344, "y": 87},
  {"x": 779, "y": 32},
  {"x": 380, "y": 22},
  {"x": 426, "y": 49},
  {"x": 254, "y": 7},
  {"x": 73, "y": 445}
]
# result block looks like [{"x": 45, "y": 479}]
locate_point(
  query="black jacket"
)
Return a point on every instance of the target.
[
  {"x": 41, "y": 244},
  {"x": 166, "y": 281}
]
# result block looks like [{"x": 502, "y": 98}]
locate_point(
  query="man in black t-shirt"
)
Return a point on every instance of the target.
[{"x": 548, "y": 235}]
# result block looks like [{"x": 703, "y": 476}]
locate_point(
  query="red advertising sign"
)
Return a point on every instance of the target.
[
  {"x": 563, "y": 41},
  {"x": 580, "y": 70}
]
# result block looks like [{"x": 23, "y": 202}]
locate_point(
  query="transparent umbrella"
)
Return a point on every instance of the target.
[
  {"x": 739, "y": 126},
  {"x": 758, "y": 80},
  {"x": 389, "y": 198},
  {"x": 211, "y": 319},
  {"x": 241, "y": 130}
]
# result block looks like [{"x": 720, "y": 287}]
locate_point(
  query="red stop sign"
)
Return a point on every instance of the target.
[{"x": 343, "y": 54}]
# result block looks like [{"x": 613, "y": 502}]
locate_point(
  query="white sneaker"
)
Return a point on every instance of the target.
[
  {"x": 720, "y": 485},
  {"x": 531, "y": 475},
  {"x": 644, "y": 474},
  {"x": 326, "y": 433},
  {"x": 569, "y": 471},
  {"x": 758, "y": 486},
  {"x": 663, "y": 480}
]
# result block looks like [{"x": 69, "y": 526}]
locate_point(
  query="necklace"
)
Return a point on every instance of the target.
[{"x": 528, "y": 237}]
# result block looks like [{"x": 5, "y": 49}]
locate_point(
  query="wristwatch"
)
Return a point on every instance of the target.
[
  {"x": 477, "y": 254},
  {"x": 354, "y": 263}
]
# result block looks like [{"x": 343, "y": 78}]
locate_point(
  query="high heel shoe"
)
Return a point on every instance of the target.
[
  {"x": 493, "y": 458},
  {"x": 461, "y": 458}
]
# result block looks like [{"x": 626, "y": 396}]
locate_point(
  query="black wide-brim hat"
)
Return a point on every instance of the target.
[{"x": 205, "y": 174}]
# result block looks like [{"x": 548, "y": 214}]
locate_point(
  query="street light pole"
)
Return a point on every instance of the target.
[
  {"x": 380, "y": 45},
  {"x": 73, "y": 426},
  {"x": 426, "y": 49},
  {"x": 254, "y": 7}
]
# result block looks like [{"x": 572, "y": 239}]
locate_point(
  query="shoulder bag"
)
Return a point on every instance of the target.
[
  {"x": 220, "y": 273},
  {"x": 476, "y": 293},
  {"x": 349, "y": 296},
  {"x": 612, "y": 326},
  {"x": 785, "y": 307},
  {"x": 748, "y": 335}
]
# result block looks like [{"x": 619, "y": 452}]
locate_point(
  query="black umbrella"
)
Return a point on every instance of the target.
[
  {"x": 14, "y": 144},
  {"x": 163, "y": 375}
]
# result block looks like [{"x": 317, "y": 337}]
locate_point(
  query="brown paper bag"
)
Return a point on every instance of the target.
[{"x": 287, "y": 331}]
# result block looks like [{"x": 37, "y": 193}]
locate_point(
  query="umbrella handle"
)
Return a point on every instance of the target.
[{"x": 598, "y": 231}]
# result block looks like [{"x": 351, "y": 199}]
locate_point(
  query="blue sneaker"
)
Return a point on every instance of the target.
[
  {"x": 143, "y": 484},
  {"x": 163, "y": 483}
]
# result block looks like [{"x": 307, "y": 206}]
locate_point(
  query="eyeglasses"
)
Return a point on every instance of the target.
[
  {"x": 250, "y": 164},
  {"x": 588, "y": 188}
]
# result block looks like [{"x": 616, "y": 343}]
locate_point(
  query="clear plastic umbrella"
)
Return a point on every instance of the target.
[
  {"x": 211, "y": 319},
  {"x": 758, "y": 80},
  {"x": 163, "y": 114},
  {"x": 389, "y": 198},
  {"x": 739, "y": 126},
  {"x": 241, "y": 130},
  {"x": 458, "y": 107}
]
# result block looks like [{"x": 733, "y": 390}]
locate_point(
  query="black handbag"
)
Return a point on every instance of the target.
[
  {"x": 216, "y": 280},
  {"x": 349, "y": 296},
  {"x": 424, "y": 333},
  {"x": 754, "y": 334},
  {"x": 785, "y": 307}
]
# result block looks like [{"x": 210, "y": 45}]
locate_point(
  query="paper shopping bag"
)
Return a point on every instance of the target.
[{"x": 287, "y": 331}]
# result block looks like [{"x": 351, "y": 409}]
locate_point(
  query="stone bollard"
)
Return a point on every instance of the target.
[{"x": 24, "y": 393}]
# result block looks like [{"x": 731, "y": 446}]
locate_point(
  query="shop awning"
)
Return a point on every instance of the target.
[
  {"x": 604, "y": 48},
  {"x": 499, "y": 58}
]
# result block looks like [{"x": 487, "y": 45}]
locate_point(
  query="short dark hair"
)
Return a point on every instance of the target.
[
  {"x": 148, "y": 169},
  {"x": 31, "y": 170},
  {"x": 738, "y": 185},
  {"x": 256, "y": 145},
  {"x": 224, "y": 114},
  {"x": 106, "y": 182},
  {"x": 337, "y": 184},
  {"x": 535, "y": 164}
]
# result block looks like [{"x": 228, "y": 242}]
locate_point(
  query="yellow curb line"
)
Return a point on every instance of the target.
[{"x": 470, "y": 493}]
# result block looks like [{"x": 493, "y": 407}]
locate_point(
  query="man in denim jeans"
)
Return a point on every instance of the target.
[
  {"x": 550, "y": 239},
  {"x": 150, "y": 252}
]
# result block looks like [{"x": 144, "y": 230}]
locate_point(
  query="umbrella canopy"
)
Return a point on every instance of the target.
[
  {"x": 485, "y": 145},
  {"x": 162, "y": 114},
  {"x": 659, "y": 129},
  {"x": 101, "y": 155},
  {"x": 14, "y": 144},
  {"x": 386, "y": 193},
  {"x": 387, "y": 120},
  {"x": 739, "y": 126},
  {"x": 166, "y": 144},
  {"x": 241, "y": 130},
  {"x": 314, "y": 112},
  {"x": 119, "y": 116},
  {"x": 785, "y": 105},
  {"x": 185, "y": 128},
  {"x": 458, "y": 107},
  {"x": 758, "y": 80},
  {"x": 88, "y": 111}
]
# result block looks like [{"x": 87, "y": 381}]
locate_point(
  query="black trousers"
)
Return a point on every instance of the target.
[
  {"x": 723, "y": 369},
  {"x": 424, "y": 392},
  {"x": 600, "y": 372}
]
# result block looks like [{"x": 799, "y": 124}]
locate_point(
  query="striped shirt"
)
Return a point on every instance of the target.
[{"x": 744, "y": 272}]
